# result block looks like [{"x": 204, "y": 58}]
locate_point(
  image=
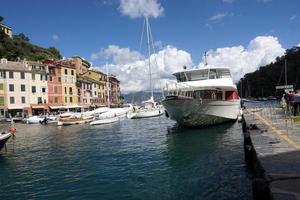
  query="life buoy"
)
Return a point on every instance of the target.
[{"x": 12, "y": 129}]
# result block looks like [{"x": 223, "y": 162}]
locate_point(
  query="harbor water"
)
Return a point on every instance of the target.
[{"x": 131, "y": 159}]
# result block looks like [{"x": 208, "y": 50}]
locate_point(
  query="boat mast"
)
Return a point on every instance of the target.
[
  {"x": 107, "y": 86},
  {"x": 149, "y": 53}
]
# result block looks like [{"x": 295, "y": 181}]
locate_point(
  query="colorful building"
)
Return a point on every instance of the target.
[
  {"x": 31, "y": 88},
  {"x": 68, "y": 80},
  {"x": 54, "y": 86},
  {"x": 114, "y": 89}
]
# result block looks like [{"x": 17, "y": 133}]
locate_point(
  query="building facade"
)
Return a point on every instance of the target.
[
  {"x": 6, "y": 29},
  {"x": 31, "y": 88}
]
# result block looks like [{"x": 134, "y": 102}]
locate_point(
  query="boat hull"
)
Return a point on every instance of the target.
[
  {"x": 154, "y": 112},
  {"x": 198, "y": 112},
  {"x": 104, "y": 121},
  {"x": 3, "y": 139}
]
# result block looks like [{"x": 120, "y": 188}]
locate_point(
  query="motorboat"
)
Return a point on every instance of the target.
[
  {"x": 202, "y": 97},
  {"x": 40, "y": 120},
  {"x": 5, "y": 135},
  {"x": 74, "y": 120},
  {"x": 149, "y": 109},
  {"x": 104, "y": 120}
]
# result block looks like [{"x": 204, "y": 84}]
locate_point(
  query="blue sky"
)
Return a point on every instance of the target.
[{"x": 85, "y": 27}]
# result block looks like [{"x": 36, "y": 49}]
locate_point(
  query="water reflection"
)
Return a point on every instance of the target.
[{"x": 131, "y": 159}]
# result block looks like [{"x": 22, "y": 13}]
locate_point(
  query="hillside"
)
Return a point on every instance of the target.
[
  {"x": 19, "y": 47},
  {"x": 263, "y": 81}
]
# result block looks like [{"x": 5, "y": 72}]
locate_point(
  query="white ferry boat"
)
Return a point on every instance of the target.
[{"x": 202, "y": 97}]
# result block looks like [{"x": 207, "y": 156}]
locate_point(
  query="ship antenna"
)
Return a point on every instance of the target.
[{"x": 205, "y": 59}]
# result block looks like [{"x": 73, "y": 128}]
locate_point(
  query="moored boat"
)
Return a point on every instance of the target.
[
  {"x": 74, "y": 120},
  {"x": 104, "y": 120},
  {"x": 202, "y": 97}
]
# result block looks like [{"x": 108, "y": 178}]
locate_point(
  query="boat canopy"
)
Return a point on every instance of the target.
[{"x": 202, "y": 74}]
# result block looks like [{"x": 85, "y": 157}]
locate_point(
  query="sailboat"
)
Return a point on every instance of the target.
[{"x": 150, "y": 108}]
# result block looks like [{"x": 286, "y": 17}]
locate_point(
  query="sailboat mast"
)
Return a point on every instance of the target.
[
  {"x": 149, "y": 54},
  {"x": 107, "y": 86}
]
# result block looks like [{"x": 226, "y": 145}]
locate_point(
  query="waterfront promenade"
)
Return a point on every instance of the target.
[{"x": 272, "y": 150}]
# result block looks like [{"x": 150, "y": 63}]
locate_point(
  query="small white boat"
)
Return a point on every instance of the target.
[
  {"x": 150, "y": 109},
  {"x": 4, "y": 138},
  {"x": 40, "y": 120},
  {"x": 15, "y": 119},
  {"x": 104, "y": 120}
]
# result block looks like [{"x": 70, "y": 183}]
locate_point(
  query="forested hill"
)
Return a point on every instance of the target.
[
  {"x": 19, "y": 47},
  {"x": 263, "y": 81}
]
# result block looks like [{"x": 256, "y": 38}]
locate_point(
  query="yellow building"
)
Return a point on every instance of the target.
[
  {"x": 96, "y": 87},
  {"x": 68, "y": 81}
]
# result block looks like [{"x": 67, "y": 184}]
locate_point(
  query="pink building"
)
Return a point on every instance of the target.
[{"x": 54, "y": 85}]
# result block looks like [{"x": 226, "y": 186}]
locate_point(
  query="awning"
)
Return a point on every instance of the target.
[
  {"x": 39, "y": 107},
  {"x": 65, "y": 107}
]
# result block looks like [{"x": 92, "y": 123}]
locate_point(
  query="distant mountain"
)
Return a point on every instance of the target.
[
  {"x": 138, "y": 97},
  {"x": 19, "y": 47},
  {"x": 263, "y": 81}
]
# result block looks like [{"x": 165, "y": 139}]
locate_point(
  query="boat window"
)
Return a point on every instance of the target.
[
  {"x": 212, "y": 73},
  {"x": 198, "y": 75},
  {"x": 223, "y": 73}
]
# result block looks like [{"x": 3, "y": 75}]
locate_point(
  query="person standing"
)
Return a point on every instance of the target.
[{"x": 296, "y": 102}]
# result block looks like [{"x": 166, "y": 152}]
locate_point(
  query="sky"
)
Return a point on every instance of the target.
[{"x": 239, "y": 34}]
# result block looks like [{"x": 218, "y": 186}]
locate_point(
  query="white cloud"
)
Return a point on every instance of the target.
[
  {"x": 298, "y": 45},
  {"x": 119, "y": 55},
  {"x": 141, "y": 8},
  {"x": 261, "y": 51},
  {"x": 55, "y": 37},
  {"x": 134, "y": 75},
  {"x": 220, "y": 16},
  {"x": 293, "y": 17}
]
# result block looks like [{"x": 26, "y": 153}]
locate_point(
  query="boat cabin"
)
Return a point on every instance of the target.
[
  {"x": 207, "y": 92},
  {"x": 202, "y": 74}
]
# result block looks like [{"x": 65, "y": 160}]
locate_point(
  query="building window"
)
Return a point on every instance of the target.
[
  {"x": 65, "y": 90},
  {"x": 72, "y": 72},
  {"x": 66, "y": 71},
  {"x": 33, "y": 89},
  {"x": 43, "y": 89},
  {"x": 95, "y": 93},
  {"x": 66, "y": 100},
  {"x": 1, "y": 86},
  {"x": 55, "y": 89},
  {"x": 2, "y": 74},
  {"x": 22, "y": 88},
  {"x": 55, "y": 99},
  {"x": 11, "y": 87},
  {"x": 70, "y": 90},
  {"x": 33, "y": 76},
  {"x": 11, "y": 75},
  {"x": 59, "y": 79},
  {"x": 1, "y": 100},
  {"x": 50, "y": 77},
  {"x": 12, "y": 100},
  {"x": 23, "y": 100},
  {"x": 22, "y": 74},
  {"x": 71, "y": 99},
  {"x": 40, "y": 101}
]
